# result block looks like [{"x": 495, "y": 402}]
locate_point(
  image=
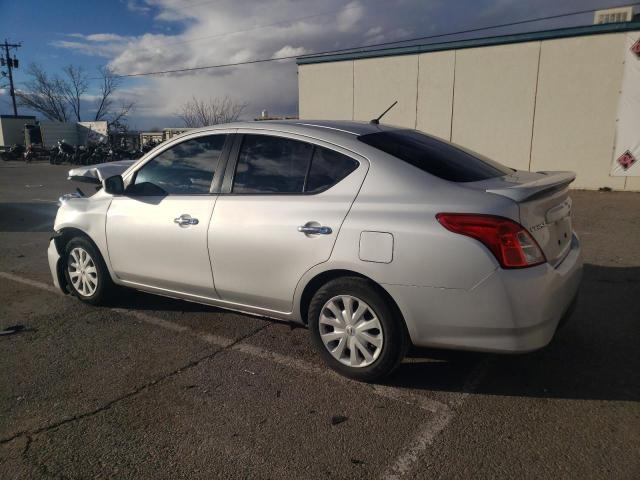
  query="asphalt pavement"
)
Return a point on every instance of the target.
[{"x": 163, "y": 389}]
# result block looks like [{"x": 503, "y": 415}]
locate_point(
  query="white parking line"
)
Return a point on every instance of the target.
[
  {"x": 31, "y": 283},
  {"x": 441, "y": 414},
  {"x": 159, "y": 322},
  {"x": 427, "y": 434}
]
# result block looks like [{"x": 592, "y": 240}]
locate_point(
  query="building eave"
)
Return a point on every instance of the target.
[{"x": 362, "y": 53}]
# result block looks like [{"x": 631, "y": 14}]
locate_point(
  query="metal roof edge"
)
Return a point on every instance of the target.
[{"x": 362, "y": 53}]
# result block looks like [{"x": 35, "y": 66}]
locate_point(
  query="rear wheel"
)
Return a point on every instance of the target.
[
  {"x": 86, "y": 273},
  {"x": 355, "y": 330}
]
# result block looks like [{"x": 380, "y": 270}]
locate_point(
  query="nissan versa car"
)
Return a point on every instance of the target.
[{"x": 375, "y": 237}]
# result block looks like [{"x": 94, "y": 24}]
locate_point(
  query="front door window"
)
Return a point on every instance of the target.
[{"x": 187, "y": 168}]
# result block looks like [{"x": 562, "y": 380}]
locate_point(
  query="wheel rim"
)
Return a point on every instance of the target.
[
  {"x": 82, "y": 272},
  {"x": 351, "y": 331}
]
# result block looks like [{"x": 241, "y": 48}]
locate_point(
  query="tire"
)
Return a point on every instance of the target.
[
  {"x": 83, "y": 258},
  {"x": 335, "y": 332}
]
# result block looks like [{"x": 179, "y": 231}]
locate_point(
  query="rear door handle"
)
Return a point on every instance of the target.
[
  {"x": 313, "y": 230},
  {"x": 185, "y": 220}
]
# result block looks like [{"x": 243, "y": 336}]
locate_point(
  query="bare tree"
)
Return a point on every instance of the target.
[
  {"x": 74, "y": 86},
  {"x": 201, "y": 113},
  {"x": 117, "y": 120},
  {"x": 105, "y": 108},
  {"x": 44, "y": 94},
  {"x": 62, "y": 98},
  {"x": 109, "y": 83}
]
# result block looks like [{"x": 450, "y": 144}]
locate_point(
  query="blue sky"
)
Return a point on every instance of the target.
[
  {"x": 38, "y": 23},
  {"x": 146, "y": 35}
]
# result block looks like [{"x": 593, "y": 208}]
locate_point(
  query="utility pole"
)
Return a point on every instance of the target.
[{"x": 11, "y": 64}]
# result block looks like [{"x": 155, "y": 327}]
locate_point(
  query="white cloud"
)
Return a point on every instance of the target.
[
  {"x": 96, "y": 44},
  {"x": 178, "y": 10},
  {"x": 98, "y": 50},
  {"x": 230, "y": 31},
  {"x": 289, "y": 51},
  {"x": 350, "y": 15},
  {"x": 106, "y": 37},
  {"x": 136, "y": 6},
  {"x": 242, "y": 56}
]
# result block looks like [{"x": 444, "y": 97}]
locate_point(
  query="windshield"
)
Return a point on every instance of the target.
[{"x": 437, "y": 157}]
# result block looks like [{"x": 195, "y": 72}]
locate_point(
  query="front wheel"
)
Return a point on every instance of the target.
[
  {"x": 86, "y": 273},
  {"x": 355, "y": 330}
]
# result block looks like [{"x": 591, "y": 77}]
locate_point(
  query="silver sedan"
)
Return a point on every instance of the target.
[{"x": 375, "y": 237}]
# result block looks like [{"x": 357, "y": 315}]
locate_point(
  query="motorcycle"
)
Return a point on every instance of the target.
[
  {"x": 15, "y": 152},
  {"x": 29, "y": 154},
  {"x": 54, "y": 156},
  {"x": 65, "y": 152}
]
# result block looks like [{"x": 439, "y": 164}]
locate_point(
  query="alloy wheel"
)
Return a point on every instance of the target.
[
  {"x": 351, "y": 331},
  {"x": 82, "y": 272}
]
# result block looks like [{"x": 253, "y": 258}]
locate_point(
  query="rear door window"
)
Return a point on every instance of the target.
[
  {"x": 269, "y": 164},
  {"x": 437, "y": 157},
  {"x": 328, "y": 168}
]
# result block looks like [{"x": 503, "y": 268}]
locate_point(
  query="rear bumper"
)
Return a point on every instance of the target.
[{"x": 508, "y": 311}]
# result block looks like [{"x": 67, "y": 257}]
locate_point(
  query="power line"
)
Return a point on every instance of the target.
[
  {"x": 362, "y": 47},
  {"x": 520, "y": 22},
  {"x": 440, "y": 35}
]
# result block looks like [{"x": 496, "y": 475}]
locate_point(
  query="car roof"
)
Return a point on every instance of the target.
[
  {"x": 347, "y": 126},
  {"x": 307, "y": 127}
]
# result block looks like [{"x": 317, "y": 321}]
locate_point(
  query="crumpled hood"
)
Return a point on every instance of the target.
[{"x": 98, "y": 172}]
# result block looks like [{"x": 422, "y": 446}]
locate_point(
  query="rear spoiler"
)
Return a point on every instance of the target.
[{"x": 551, "y": 181}]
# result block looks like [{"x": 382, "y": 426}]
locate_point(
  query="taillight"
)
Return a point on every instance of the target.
[{"x": 509, "y": 242}]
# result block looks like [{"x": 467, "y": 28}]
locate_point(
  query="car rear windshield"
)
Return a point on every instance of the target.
[{"x": 437, "y": 157}]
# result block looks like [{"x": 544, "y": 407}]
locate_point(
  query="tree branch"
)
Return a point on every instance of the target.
[
  {"x": 44, "y": 94},
  {"x": 109, "y": 84},
  {"x": 74, "y": 87},
  {"x": 201, "y": 113}
]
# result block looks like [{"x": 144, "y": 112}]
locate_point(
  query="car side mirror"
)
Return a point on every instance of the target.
[{"x": 113, "y": 185}]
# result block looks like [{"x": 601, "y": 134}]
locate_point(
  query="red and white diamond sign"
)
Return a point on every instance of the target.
[
  {"x": 626, "y": 160},
  {"x": 635, "y": 48}
]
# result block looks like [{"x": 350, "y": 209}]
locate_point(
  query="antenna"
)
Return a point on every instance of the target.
[{"x": 376, "y": 121}]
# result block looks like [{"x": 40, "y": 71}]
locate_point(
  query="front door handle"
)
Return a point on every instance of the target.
[
  {"x": 185, "y": 220},
  {"x": 314, "y": 230}
]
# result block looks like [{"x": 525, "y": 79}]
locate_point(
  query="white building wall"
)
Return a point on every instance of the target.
[
  {"x": 494, "y": 99},
  {"x": 12, "y": 130},
  {"x": 436, "y": 73},
  {"x": 628, "y": 117},
  {"x": 576, "y": 107},
  {"x": 549, "y": 105},
  {"x": 378, "y": 82},
  {"x": 52, "y": 132},
  {"x": 328, "y": 91}
]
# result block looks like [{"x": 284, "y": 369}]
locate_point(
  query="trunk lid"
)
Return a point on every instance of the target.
[{"x": 544, "y": 204}]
